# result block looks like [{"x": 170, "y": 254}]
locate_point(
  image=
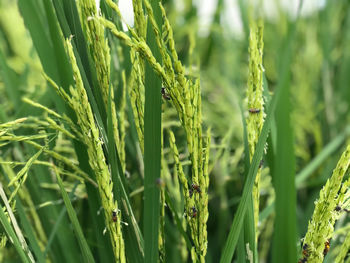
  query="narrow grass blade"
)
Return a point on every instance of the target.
[
  {"x": 12, "y": 236},
  {"x": 59, "y": 220},
  {"x": 87, "y": 255},
  {"x": 104, "y": 246},
  {"x": 152, "y": 158},
  {"x": 64, "y": 70},
  {"x": 28, "y": 230},
  {"x": 321, "y": 157},
  {"x": 34, "y": 21},
  {"x": 284, "y": 248},
  {"x": 68, "y": 15},
  {"x": 232, "y": 238},
  {"x": 249, "y": 225},
  {"x": 14, "y": 233},
  {"x": 178, "y": 221},
  {"x": 10, "y": 81}
]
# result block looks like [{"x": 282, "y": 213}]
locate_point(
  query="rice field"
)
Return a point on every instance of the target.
[{"x": 169, "y": 140}]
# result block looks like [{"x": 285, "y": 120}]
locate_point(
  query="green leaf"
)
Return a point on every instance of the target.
[
  {"x": 10, "y": 81},
  {"x": 179, "y": 226},
  {"x": 284, "y": 238},
  {"x": 248, "y": 230},
  {"x": 87, "y": 255},
  {"x": 28, "y": 230},
  {"x": 10, "y": 231},
  {"x": 152, "y": 149}
]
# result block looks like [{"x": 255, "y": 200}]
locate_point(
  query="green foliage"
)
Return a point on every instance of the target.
[{"x": 160, "y": 141}]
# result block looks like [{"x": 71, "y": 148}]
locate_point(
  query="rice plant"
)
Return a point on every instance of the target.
[{"x": 165, "y": 139}]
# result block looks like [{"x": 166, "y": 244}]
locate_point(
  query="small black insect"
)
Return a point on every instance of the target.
[
  {"x": 196, "y": 188},
  {"x": 305, "y": 250},
  {"x": 337, "y": 208},
  {"x": 194, "y": 212},
  {"x": 164, "y": 94},
  {"x": 261, "y": 164},
  {"x": 326, "y": 247},
  {"x": 114, "y": 216},
  {"x": 160, "y": 182},
  {"x": 253, "y": 110},
  {"x": 305, "y": 246}
]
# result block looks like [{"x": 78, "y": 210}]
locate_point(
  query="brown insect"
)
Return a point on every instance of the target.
[
  {"x": 114, "y": 216},
  {"x": 164, "y": 94},
  {"x": 261, "y": 163},
  {"x": 160, "y": 182},
  {"x": 196, "y": 188},
  {"x": 253, "y": 110},
  {"x": 194, "y": 212},
  {"x": 326, "y": 247},
  {"x": 305, "y": 251}
]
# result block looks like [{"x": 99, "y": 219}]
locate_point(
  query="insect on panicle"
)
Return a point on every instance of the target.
[
  {"x": 254, "y": 110},
  {"x": 160, "y": 182},
  {"x": 196, "y": 188},
  {"x": 326, "y": 247},
  {"x": 190, "y": 192},
  {"x": 114, "y": 216},
  {"x": 164, "y": 94},
  {"x": 194, "y": 212}
]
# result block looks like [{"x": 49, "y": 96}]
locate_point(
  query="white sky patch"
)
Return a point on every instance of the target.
[
  {"x": 206, "y": 9},
  {"x": 127, "y": 11},
  {"x": 231, "y": 17}
]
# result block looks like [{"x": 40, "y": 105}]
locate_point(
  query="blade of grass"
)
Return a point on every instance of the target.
[
  {"x": 283, "y": 245},
  {"x": 87, "y": 255},
  {"x": 12, "y": 236},
  {"x": 284, "y": 237},
  {"x": 28, "y": 230},
  {"x": 170, "y": 204},
  {"x": 10, "y": 81},
  {"x": 249, "y": 227},
  {"x": 321, "y": 157},
  {"x": 34, "y": 20},
  {"x": 68, "y": 15},
  {"x": 14, "y": 233},
  {"x": 152, "y": 158},
  {"x": 64, "y": 70},
  {"x": 65, "y": 239},
  {"x": 58, "y": 222}
]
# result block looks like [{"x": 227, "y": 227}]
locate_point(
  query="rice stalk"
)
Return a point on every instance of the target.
[
  {"x": 321, "y": 226},
  {"x": 100, "y": 52},
  {"x": 255, "y": 103},
  {"x": 86, "y": 121}
]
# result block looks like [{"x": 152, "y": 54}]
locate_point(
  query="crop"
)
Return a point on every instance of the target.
[{"x": 158, "y": 141}]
